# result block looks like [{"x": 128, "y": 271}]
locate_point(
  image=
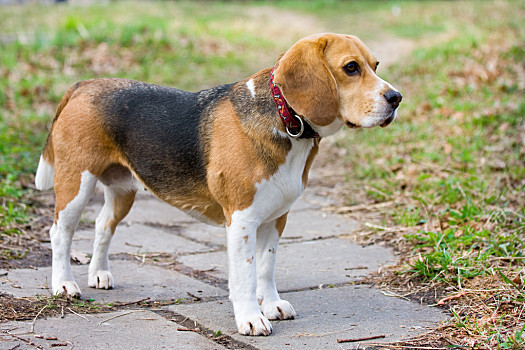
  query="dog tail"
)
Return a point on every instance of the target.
[{"x": 45, "y": 173}]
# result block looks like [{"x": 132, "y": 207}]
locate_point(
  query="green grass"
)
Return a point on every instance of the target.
[
  {"x": 456, "y": 151},
  {"x": 454, "y": 165}
]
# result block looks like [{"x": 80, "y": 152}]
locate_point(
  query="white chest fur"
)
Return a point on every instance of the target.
[{"x": 276, "y": 195}]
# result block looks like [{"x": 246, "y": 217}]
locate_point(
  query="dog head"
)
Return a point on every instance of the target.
[{"x": 331, "y": 79}]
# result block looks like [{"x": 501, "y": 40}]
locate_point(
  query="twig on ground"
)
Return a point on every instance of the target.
[
  {"x": 124, "y": 314},
  {"x": 32, "y": 329},
  {"x": 180, "y": 329},
  {"x": 392, "y": 294},
  {"x": 26, "y": 341},
  {"x": 360, "y": 339},
  {"x": 343, "y": 210},
  {"x": 175, "y": 320},
  {"x": 415, "y": 347},
  {"x": 79, "y": 315},
  {"x": 388, "y": 229},
  {"x": 367, "y": 224},
  {"x": 134, "y": 302},
  {"x": 456, "y": 296},
  {"x": 53, "y": 345},
  {"x": 356, "y": 268},
  {"x": 194, "y": 296},
  {"x": 324, "y": 334}
]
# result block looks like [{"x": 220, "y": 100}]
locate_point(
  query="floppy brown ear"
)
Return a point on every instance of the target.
[{"x": 305, "y": 80}]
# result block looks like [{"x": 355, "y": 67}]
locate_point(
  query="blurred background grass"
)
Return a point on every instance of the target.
[{"x": 449, "y": 172}]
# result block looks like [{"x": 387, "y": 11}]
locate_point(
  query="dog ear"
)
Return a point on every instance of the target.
[{"x": 306, "y": 82}]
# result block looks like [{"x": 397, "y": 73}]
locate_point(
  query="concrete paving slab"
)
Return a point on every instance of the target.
[
  {"x": 323, "y": 316},
  {"x": 313, "y": 223},
  {"x": 138, "y": 330},
  {"x": 132, "y": 282},
  {"x": 136, "y": 238},
  {"x": 204, "y": 233},
  {"x": 307, "y": 264}
]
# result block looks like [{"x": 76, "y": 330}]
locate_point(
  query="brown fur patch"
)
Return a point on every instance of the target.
[
  {"x": 122, "y": 204},
  {"x": 48, "y": 153},
  {"x": 306, "y": 81},
  {"x": 115, "y": 174},
  {"x": 235, "y": 160},
  {"x": 199, "y": 200},
  {"x": 79, "y": 143},
  {"x": 280, "y": 223},
  {"x": 310, "y": 160}
]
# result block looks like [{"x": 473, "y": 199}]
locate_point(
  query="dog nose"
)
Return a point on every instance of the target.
[{"x": 393, "y": 98}]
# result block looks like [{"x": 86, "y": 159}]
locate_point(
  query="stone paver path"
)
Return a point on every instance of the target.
[{"x": 316, "y": 268}]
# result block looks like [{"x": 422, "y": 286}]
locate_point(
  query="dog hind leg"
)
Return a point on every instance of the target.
[
  {"x": 72, "y": 197},
  {"x": 118, "y": 201}
]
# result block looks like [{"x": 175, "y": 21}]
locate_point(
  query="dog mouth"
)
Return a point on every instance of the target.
[
  {"x": 388, "y": 121},
  {"x": 351, "y": 125},
  {"x": 371, "y": 122}
]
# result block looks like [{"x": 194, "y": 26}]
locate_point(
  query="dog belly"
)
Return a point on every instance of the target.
[
  {"x": 203, "y": 218},
  {"x": 197, "y": 206},
  {"x": 197, "y": 203}
]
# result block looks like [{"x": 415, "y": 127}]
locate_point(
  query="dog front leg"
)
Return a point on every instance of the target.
[
  {"x": 241, "y": 240},
  {"x": 272, "y": 306}
]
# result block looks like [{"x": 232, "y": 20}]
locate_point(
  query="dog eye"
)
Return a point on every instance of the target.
[
  {"x": 377, "y": 64},
  {"x": 351, "y": 68}
]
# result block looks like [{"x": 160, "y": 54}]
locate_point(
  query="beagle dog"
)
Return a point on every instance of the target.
[{"x": 236, "y": 155}]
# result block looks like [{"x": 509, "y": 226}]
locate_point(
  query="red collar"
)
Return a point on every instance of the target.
[{"x": 295, "y": 126}]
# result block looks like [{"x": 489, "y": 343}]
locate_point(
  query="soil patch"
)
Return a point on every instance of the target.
[{"x": 25, "y": 250}]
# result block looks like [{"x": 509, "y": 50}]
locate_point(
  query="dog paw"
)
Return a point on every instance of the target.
[
  {"x": 254, "y": 325},
  {"x": 278, "y": 310},
  {"x": 102, "y": 279},
  {"x": 67, "y": 288}
]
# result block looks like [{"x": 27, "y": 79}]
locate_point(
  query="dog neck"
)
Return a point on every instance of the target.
[{"x": 295, "y": 125}]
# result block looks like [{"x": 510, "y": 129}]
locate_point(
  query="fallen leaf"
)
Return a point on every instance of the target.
[
  {"x": 517, "y": 280},
  {"x": 79, "y": 257},
  {"x": 447, "y": 148},
  {"x": 504, "y": 127},
  {"x": 497, "y": 164},
  {"x": 456, "y": 296}
]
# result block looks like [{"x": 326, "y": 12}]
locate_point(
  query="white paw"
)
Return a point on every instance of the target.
[
  {"x": 67, "y": 288},
  {"x": 278, "y": 310},
  {"x": 102, "y": 279},
  {"x": 254, "y": 325}
]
